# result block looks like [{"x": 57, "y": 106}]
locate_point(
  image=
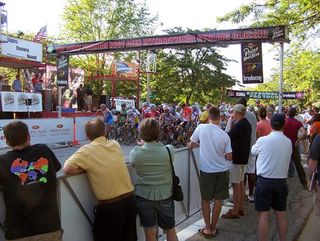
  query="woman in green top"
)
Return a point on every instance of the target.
[{"x": 153, "y": 187}]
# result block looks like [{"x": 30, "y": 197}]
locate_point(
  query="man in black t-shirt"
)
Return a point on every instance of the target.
[
  {"x": 240, "y": 135},
  {"x": 28, "y": 177},
  {"x": 314, "y": 166}
]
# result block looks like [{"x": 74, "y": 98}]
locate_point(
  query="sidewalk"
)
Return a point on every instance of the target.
[{"x": 246, "y": 228}]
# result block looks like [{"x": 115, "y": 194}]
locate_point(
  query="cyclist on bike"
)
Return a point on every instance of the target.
[
  {"x": 122, "y": 117},
  {"x": 145, "y": 110},
  {"x": 154, "y": 114}
]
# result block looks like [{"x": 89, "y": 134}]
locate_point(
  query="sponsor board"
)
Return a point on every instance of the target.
[
  {"x": 45, "y": 131},
  {"x": 264, "y": 94},
  {"x": 20, "y": 48},
  {"x": 119, "y": 102},
  {"x": 17, "y": 102}
]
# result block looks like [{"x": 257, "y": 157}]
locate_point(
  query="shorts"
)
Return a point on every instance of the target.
[
  {"x": 271, "y": 193},
  {"x": 153, "y": 213},
  {"x": 214, "y": 185},
  {"x": 52, "y": 236},
  {"x": 251, "y": 167},
  {"x": 237, "y": 172},
  {"x": 89, "y": 100}
]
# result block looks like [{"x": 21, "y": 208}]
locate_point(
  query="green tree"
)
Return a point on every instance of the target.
[
  {"x": 190, "y": 75},
  {"x": 301, "y": 16},
  {"x": 94, "y": 20}
]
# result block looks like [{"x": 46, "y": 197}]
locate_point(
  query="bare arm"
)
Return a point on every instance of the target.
[
  {"x": 312, "y": 165},
  {"x": 193, "y": 144},
  {"x": 228, "y": 156},
  {"x": 69, "y": 170}
]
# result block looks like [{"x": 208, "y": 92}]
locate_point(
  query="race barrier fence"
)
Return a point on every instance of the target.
[
  {"x": 51, "y": 130},
  {"x": 77, "y": 201}
]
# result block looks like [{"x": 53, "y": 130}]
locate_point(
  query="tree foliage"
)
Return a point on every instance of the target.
[
  {"x": 301, "y": 73},
  {"x": 190, "y": 75},
  {"x": 93, "y": 20},
  {"x": 302, "y": 16}
]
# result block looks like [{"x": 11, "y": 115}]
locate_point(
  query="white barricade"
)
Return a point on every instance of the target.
[
  {"x": 79, "y": 122},
  {"x": 46, "y": 131}
]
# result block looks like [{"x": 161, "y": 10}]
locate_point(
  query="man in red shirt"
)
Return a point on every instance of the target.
[{"x": 291, "y": 130}]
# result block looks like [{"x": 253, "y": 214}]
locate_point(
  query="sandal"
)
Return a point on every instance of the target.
[
  {"x": 230, "y": 215},
  {"x": 206, "y": 235}
]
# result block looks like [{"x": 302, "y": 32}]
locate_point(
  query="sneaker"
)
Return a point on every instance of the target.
[{"x": 250, "y": 198}]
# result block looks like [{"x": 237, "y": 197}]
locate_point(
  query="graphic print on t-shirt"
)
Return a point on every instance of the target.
[{"x": 32, "y": 172}]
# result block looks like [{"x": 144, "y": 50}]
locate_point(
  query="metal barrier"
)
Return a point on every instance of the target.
[{"x": 76, "y": 199}]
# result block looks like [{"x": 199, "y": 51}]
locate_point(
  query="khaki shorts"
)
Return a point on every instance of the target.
[
  {"x": 214, "y": 185},
  {"x": 89, "y": 99},
  {"x": 237, "y": 172},
  {"x": 52, "y": 236}
]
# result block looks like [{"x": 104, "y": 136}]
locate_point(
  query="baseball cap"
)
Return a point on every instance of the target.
[
  {"x": 239, "y": 108},
  {"x": 278, "y": 118}
]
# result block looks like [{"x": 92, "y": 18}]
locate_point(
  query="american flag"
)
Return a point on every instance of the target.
[{"x": 41, "y": 35}]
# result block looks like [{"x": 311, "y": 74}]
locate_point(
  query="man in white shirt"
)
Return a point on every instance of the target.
[
  {"x": 215, "y": 151},
  {"x": 274, "y": 154}
]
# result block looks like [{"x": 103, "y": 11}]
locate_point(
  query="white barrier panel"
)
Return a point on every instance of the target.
[
  {"x": 16, "y": 102},
  {"x": 80, "y": 133},
  {"x": 46, "y": 131}
]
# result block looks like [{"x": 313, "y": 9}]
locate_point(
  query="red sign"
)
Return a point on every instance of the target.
[{"x": 190, "y": 39}]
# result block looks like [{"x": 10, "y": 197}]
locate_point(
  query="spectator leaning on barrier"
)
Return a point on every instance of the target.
[
  {"x": 153, "y": 187},
  {"x": 103, "y": 161},
  {"x": 28, "y": 177},
  {"x": 274, "y": 154},
  {"x": 215, "y": 153}
]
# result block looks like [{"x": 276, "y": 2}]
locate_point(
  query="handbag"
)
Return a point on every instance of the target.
[{"x": 177, "y": 193}]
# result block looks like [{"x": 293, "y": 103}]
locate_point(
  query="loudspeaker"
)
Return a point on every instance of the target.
[
  {"x": 47, "y": 100},
  {"x": 105, "y": 99}
]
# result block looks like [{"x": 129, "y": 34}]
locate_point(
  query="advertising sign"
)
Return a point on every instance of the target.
[
  {"x": 46, "y": 131},
  {"x": 264, "y": 94},
  {"x": 20, "y": 48},
  {"x": 17, "y": 101},
  {"x": 196, "y": 38},
  {"x": 62, "y": 70},
  {"x": 251, "y": 56},
  {"x": 119, "y": 102},
  {"x": 127, "y": 69}
]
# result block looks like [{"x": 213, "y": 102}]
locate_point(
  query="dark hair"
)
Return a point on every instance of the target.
[
  {"x": 277, "y": 122},
  {"x": 242, "y": 101},
  {"x": 149, "y": 130},
  {"x": 16, "y": 133},
  {"x": 316, "y": 117},
  {"x": 292, "y": 112},
  {"x": 95, "y": 128},
  {"x": 262, "y": 112},
  {"x": 214, "y": 113}
]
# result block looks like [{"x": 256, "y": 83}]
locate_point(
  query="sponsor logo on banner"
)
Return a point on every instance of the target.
[
  {"x": 45, "y": 131},
  {"x": 16, "y": 102},
  {"x": 8, "y": 99},
  {"x": 264, "y": 94},
  {"x": 62, "y": 70},
  {"x": 251, "y": 55}
]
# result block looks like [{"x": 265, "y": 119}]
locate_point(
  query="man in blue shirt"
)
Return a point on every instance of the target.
[{"x": 16, "y": 84}]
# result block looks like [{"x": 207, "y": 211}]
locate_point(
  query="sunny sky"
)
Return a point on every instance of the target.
[{"x": 31, "y": 15}]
